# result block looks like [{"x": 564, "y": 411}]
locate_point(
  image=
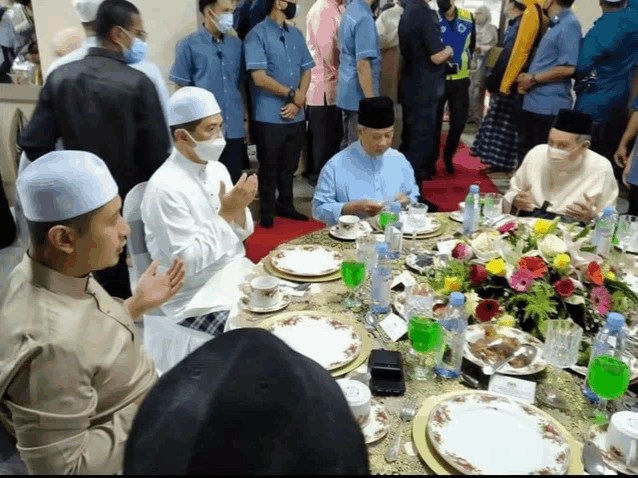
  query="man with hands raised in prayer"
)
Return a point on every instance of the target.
[{"x": 192, "y": 211}]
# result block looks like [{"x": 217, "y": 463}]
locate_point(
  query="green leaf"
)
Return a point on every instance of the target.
[
  {"x": 582, "y": 233},
  {"x": 575, "y": 300},
  {"x": 553, "y": 225}
]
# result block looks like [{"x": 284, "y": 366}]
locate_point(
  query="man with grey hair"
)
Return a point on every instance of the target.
[{"x": 564, "y": 177}]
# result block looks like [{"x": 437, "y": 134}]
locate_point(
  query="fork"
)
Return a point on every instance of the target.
[{"x": 407, "y": 414}]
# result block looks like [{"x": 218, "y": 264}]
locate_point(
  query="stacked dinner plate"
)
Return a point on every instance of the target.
[
  {"x": 432, "y": 228},
  {"x": 481, "y": 433},
  {"x": 337, "y": 344},
  {"x": 307, "y": 263}
]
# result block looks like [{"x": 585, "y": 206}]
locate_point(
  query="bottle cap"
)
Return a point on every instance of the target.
[
  {"x": 382, "y": 248},
  {"x": 456, "y": 298},
  {"x": 608, "y": 211},
  {"x": 474, "y": 188},
  {"x": 615, "y": 321},
  {"x": 395, "y": 207}
]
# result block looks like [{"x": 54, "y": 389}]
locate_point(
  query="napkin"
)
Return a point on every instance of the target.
[
  {"x": 404, "y": 278},
  {"x": 446, "y": 247}
]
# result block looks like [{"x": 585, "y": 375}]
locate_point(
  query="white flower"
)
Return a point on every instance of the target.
[
  {"x": 472, "y": 300},
  {"x": 552, "y": 245},
  {"x": 483, "y": 246}
]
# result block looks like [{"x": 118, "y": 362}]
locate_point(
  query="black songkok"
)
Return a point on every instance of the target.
[
  {"x": 376, "y": 113},
  {"x": 245, "y": 403},
  {"x": 573, "y": 122}
]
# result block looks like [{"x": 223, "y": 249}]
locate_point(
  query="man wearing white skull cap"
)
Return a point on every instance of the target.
[
  {"x": 86, "y": 10},
  {"x": 192, "y": 211},
  {"x": 73, "y": 370}
]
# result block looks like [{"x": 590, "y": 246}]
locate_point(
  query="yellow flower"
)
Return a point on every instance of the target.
[
  {"x": 561, "y": 261},
  {"x": 541, "y": 227},
  {"x": 610, "y": 275},
  {"x": 452, "y": 284},
  {"x": 495, "y": 233},
  {"x": 496, "y": 267},
  {"x": 506, "y": 320}
]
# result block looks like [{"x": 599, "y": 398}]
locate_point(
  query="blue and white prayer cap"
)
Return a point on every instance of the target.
[
  {"x": 191, "y": 104},
  {"x": 86, "y": 9},
  {"x": 64, "y": 184}
]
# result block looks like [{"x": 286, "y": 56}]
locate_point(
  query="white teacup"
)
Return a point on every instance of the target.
[
  {"x": 349, "y": 226},
  {"x": 623, "y": 436},
  {"x": 264, "y": 291},
  {"x": 462, "y": 206},
  {"x": 358, "y": 397}
]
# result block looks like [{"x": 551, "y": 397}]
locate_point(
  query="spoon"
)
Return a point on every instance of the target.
[
  {"x": 593, "y": 460},
  {"x": 527, "y": 351}
]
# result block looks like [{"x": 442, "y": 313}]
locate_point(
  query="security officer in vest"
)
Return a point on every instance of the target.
[{"x": 458, "y": 31}]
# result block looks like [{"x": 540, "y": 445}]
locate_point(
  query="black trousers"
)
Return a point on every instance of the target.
[
  {"x": 235, "y": 157},
  {"x": 325, "y": 131},
  {"x": 115, "y": 280},
  {"x": 278, "y": 150},
  {"x": 419, "y": 136},
  {"x": 457, "y": 95},
  {"x": 533, "y": 129},
  {"x": 633, "y": 200},
  {"x": 606, "y": 138}
]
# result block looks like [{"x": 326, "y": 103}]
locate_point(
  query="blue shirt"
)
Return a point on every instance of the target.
[
  {"x": 607, "y": 58},
  {"x": 216, "y": 66},
  {"x": 558, "y": 47},
  {"x": 633, "y": 172},
  {"x": 352, "y": 175},
  {"x": 283, "y": 53},
  {"x": 358, "y": 39}
]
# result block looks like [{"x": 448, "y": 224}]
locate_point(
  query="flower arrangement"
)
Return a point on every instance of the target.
[{"x": 527, "y": 275}]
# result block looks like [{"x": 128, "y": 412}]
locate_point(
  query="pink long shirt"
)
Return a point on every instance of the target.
[{"x": 322, "y": 27}]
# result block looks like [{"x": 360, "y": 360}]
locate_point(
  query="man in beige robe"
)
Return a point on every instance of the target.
[
  {"x": 564, "y": 177},
  {"x": 73, "y": 370}
]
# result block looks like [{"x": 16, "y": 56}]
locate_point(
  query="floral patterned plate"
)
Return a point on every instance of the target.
[
  {"x": 432, "y": 227},
  {"x": 248, "y": 305},
  {"x": 307, "y": 261},
  {"x": 377, "y": 425},
  {"x": 457, "y": 216},
  {"x": 364, "y": 228},
  {"x": 476, "y": 332},
  {"x": 326, "y": 340},
  {"x": 484, "y": 433},
  {"x": 611, "y": 456}
]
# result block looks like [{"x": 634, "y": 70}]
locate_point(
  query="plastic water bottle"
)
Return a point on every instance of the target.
[
  {"x": 454, "y": 324},
  {"x": 381, "y": 281},
  {"x": 472, "y": 210},
  {"x": 610, "y": 340},
  {"x": 604, "y": 232},
  {"x": 394, "y": 231}
]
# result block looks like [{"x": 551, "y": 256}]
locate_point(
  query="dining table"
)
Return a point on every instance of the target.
[{"x": 328, "y": 296}]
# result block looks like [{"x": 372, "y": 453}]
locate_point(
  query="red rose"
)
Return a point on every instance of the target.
[
  {"x": 535, "y": 265},
  {"x": 487, "y": 309},
  {"x": 564, "y": 287},
  {"x": 462, "y": 252},
  {"x": 508, "y": 227},
  {"x": 595, "y": 274},
  {"x": 477, "y": 274}
]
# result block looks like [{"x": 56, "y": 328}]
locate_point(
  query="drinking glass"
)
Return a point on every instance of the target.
[
  {"x": 493, "y": 207},
  {"x": 366, "y": 246},
  {"x": 418, "y": 220},
  {"x": 626, "y": 233},
  {"x": 608, "y": 377},
  {"x": 353, "y": 271},
  {"x": 562, "y": 342},
  {"x": 423, "y": 329}
]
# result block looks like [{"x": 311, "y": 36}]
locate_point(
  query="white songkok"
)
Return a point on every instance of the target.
[
  {"x": 191, "y": 104},
  {"x": 64, "y": 184},
  {"x": 86, "y": 9}
]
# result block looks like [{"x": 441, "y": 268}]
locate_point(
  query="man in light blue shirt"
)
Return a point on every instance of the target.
[
  {"x": 359, "y": 63},
  {"x": 358, "y": 179},
  {"x": 547, "y": 85},
  {"x": 87, "y": 11},
  {"x": 212, "y": 59},
  {"x": 279, "y": 64}
]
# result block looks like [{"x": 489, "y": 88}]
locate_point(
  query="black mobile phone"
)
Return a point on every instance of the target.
[{"x": 386, "y": 372}]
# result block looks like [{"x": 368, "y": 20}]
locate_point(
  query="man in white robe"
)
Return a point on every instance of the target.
[
  {"x": 192, "y": 211},
  {"x": 564, "y": 177}
]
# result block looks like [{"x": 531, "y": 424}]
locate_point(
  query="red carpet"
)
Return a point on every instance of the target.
[
  {"x": 265, "y": 240},
  {"x": 448, "y": 191}
]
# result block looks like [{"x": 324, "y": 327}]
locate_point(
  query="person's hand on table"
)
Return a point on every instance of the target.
[
  {"x": 583, "y": 210},
  {"x": 154, "y": 289},
  {"x": 364, "y": 207},
  {"x": 289, "y": 111},
  {"x": 524, "y": 201}
]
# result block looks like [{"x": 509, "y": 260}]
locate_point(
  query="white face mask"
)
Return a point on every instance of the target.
[
  {"x": 210, "y": 150},
  {"x": 560, "y": 158}
]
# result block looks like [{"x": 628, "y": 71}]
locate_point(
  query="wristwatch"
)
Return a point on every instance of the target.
[{"x": 291, "y": 95}]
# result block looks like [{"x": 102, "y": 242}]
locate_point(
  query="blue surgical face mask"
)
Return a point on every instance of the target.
[
  {"x": 137, "y": 52},
  {"x": 223, "y": 21}
]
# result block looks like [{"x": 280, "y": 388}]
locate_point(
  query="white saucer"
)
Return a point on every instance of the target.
[
  {"x": 364, "y": 228},
  {"x": 597, "y": 434},
  {"x": 377, "y": 425},
  {"x": 284, "y": 301},
  {"x": 457, "y": 216}
]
